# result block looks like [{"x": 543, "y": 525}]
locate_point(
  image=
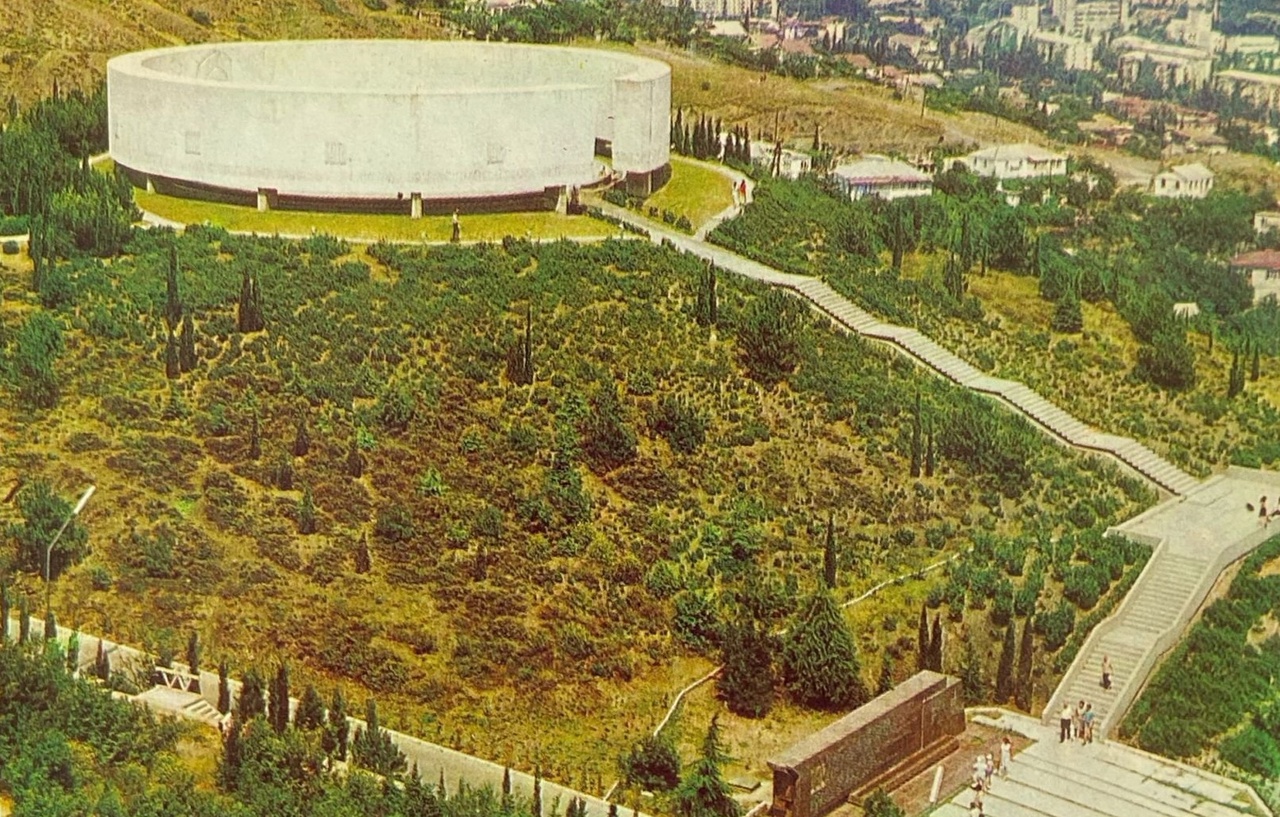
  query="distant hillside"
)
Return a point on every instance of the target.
[{"x": 70, "y": 41}]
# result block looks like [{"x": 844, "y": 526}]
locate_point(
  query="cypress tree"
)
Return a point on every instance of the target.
[
  {"x": 506, "y": 789},
  {"x": 820, "y": 657},
  {"x": 102, "y": 663},
  {"x": 310, "y": 710},
  {"x": 362, "y": 557},
  {"x": 1256, "y": 370},
  {"x": 307, "y": 513},
  {"x": 193, "y": 653},
  {"x": 537, "y": 790},
  {"x": 916, "y": 450},
  {"x": 173, "y": 303},
  {"x": 1022, "y": 687},
  {"x": 172, "y": 366},
  {"x": 252, "y": 700},
  {"x": 746, "y": 681},
  {"x": 255, "y": 438},
  {"x": 885, "y": 682},
  {"x": 337, "y": 729},
  {"x": 302, "y": 437},
  {"x": 24, "y": 620},
  {"x": 935, "y": 645},
  {"x": 187, "y": 345},
  {"x": 73, "y": 653},
  {"x": 284, "y": 472},
  {"x": 4, "y": 614},
  {"x": 229, "y": 771},
  {"x": 829, "y": 554},
  {"x": 50, "y": 626},
  {"x": 971, "y": 678},
  {"x": 355, "y": 460},
  {"x": 704, "y": 792},
  {"x": 930, "y": 461},
  {"x": 922, "y": 641},
  {"x": 278, "y": 714},
  {"x": 1004, "y": 672},
  {"x": 224, "y": 688}
]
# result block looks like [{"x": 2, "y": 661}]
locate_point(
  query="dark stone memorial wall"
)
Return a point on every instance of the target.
[{"x": 821, "y": 771}]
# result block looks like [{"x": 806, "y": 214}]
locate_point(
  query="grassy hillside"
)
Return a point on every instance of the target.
[
  {"x": 549, "y": 562},
  {"x": 71, "y": 40}
]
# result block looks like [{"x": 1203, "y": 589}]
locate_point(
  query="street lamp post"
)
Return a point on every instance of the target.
[{"x": 48, "y": 551}]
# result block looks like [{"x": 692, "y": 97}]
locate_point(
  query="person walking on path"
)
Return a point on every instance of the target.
[
  {"x": 1006, "y": 756},
  {"x": 457, "y": 229},
  {"x": 990, "y": 769},
  {"x": 1106, "y": 672},
  {"x": 1263, "y": 518},
  {"x": 1064, "y": 723},
  {"x": 742, "y": 192},
  {"x": 733, "y": 191},
  {"x": 1088, "y": 717},
  {"x": 1077, "y": 720}
]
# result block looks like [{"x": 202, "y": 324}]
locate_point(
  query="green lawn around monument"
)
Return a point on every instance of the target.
[
  {"x": 370, "y": 227},
  {"x": 696, "y": 190}
]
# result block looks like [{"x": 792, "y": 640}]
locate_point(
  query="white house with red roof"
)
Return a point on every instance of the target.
[
  {"x": 875, "y": 175},
  {"x": 1262, "y": 267}
]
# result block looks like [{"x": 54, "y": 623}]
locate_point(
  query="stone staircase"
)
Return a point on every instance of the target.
[
  {"x": 202, "y": 710},
  {"x": 1021, "y": 397},
  {"x": 1049, "y": 779},
  {"x": 1195, "y": 538},
  {"x": 1169, "y": 584}
]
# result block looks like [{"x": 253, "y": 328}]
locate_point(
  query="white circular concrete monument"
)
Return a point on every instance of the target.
[{"x": 386, "y": 125}]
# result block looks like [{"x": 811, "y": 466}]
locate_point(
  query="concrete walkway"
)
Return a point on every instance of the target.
[
  {"x": 1103, "y": 779},
  {"x": 1194, "y": 539},
  {"x": 432, "y": 760},
  {"x": 849, "y": 316}
]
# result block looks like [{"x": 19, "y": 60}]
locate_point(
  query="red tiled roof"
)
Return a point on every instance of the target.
[{"x": 1258, "y": 259}]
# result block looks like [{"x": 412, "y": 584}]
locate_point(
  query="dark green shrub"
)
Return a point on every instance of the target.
[{"x": 1254, "y": 751}]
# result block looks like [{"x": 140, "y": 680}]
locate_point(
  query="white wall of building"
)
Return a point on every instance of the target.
[{"x": 380, "y": 118}]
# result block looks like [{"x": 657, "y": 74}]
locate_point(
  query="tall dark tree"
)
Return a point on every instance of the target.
[
  {"x": 337, "y": 729},
  {"x": 355, "y": 460},
  {"x": 935, "y": 645},
  {"x": 1004, "y": 671},
  {"x": 310, "y": 715},
  {"x": 278, "y": 711},
  {"x": 173, "y": 301},
  {"x": 24, "y": 620},
  {"x": 4, "y": 614},
  {"x": 706, "y": 309},
  {"x": 704, "y": 792},
  {"x": 885, "y": 682},
  {"x": 1255, "y": 371},
  {"x": 829, "y": 560},
  {"x": 537, "y": 791},
  {"x": 187, "y": 345},
  {"x": 102, "y": 663},
  {"x": 193, "y": 653},
  {"x": 307, "y": 513},
  {"x": 746, "y": 679},
  {"x": 930, "y": 458},
  {"x": 302, "y": 436},
  {"x": 1022, "y": 686},
  {"x": 769, "y": 337},
  {"x": 249, "y": 311},
  {"x": 373, "y": 749},
  {"x": 50, "y": 626},
  {"x": 172, "y": 365},
  {"x": 972, "y": 679},
  {"x": 520, "y": 356},
  {"x": 362, "y": 556},
  {"x": 917, "y": 450},
  {"x": 922, "y": 641},
  {"x": 224, "y": 688},
  {"x": 820, "y": 658},
  {"x": 232, "y": 756},
  {"x": 255, "y": 438},
  {"x": 506, "y": 790},
  {"x": 252, "y": 702}
]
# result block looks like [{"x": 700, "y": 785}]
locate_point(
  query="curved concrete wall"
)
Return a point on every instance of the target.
[{"x": 382, "y": 118}]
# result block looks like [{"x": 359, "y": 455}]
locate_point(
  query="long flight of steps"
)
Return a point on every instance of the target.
[
  {"x": 202, "y": 710},
  {"x": 1152, "y": 609},
  {"x": 1049, "y": 779},
  {"x": 1020, "y": 396},
  {"x": 946, "y": 363}
]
